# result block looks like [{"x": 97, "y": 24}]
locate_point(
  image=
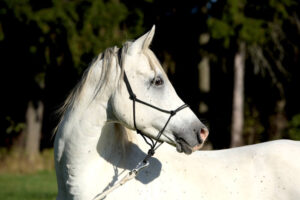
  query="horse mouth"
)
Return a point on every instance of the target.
[{"x": 183, "y": 146}]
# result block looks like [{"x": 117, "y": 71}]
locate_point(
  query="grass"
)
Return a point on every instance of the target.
[
  {"x": 24, "y": 178},
  {"x": 15, "y": 161},
  {"x": 36, "y": 186}
]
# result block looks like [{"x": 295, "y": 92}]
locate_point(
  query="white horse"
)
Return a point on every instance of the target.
[{"x": 94, "y": 150}]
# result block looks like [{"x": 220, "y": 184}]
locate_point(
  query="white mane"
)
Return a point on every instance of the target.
[
  {"x": 107, "y": 58},
  {"x": 74, "y": 96}
]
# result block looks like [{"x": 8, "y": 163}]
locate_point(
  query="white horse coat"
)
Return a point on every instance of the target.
[
  {"x": 93, "y": 150},
  {"x": 257, "y": 172}
]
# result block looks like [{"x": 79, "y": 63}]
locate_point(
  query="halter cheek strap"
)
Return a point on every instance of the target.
[{"x": 152, "y": 144}]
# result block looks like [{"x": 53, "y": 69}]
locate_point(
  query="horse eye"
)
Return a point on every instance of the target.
[{"x": 157, "y": 81}]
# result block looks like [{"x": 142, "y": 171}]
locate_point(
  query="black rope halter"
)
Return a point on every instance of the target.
[{"x": 153, "y": 144}]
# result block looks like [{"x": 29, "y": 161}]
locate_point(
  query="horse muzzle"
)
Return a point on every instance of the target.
[{"x": 187, "y": 145}]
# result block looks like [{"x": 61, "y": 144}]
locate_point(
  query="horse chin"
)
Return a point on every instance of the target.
[{"x": 182, "y": 146}]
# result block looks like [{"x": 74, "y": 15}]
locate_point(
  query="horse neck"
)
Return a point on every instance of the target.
[
  {"x": 86, "y": 156},
  {"x": 88, "y": 149},
  {"x": 84, "y": 121}
]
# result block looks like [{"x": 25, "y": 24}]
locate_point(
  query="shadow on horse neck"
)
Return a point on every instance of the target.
[{"x": 117, "y": 148}]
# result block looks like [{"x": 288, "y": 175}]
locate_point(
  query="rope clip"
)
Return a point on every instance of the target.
[{"x": 143, "y": 164}]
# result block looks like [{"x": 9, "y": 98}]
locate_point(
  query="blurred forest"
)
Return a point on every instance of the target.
[{"x": 235, "y": 62}]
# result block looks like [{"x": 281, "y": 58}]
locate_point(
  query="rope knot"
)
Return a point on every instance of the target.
[
  {"x": 172, "y": 112},
  {"x": 139, "y": 132},
  {"x": 151, "y": 152},
  {"x": 132, "y": 97}
]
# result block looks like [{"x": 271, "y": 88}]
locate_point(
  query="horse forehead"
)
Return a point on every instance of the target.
[
  {"x": 138, "y": 58},
  {"x": 141, "y": 64}
]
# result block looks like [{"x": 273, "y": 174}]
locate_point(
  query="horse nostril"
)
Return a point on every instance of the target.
[{"x": 202, "y": 135}]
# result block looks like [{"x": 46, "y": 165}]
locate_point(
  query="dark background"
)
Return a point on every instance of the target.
[{"x": 46, "y": 45}]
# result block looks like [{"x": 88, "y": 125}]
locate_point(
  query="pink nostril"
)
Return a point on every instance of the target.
[{"x": 203, "y": 134}]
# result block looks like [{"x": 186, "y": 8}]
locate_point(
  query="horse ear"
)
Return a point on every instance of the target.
[{"x": 142, "y": 42}]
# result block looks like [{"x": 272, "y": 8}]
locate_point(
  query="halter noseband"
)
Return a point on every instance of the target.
[{"x": 153, "y": 144}]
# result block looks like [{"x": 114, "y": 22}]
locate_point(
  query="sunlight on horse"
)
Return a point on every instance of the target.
[{"x": 95, "y": 145}]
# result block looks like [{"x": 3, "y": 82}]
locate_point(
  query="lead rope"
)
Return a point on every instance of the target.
[
  {"x": 144, "y": 163},
  {"x": 132, "y": 174}
]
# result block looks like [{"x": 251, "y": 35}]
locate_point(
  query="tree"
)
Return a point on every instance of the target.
[
  {"x": 55, "y": 38},
  {"x": 238, "y": 97},
  {"x": 248, "y": 28}
]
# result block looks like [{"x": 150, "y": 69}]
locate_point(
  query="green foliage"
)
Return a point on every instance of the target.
[
  {"x": 280, "y": 6},
  {"x": 220, "y": 30},
  {"x": 14, "y": 126},
  {"x": 90, "y": 25},
  {"x": 294, "y": 128},
  {"x": 234, "y": 24},
  {"x": 253, "y": 31},
  {"x": 40, "y": 79}
]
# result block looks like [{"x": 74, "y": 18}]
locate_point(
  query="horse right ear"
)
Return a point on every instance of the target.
[{"x": 142, "y": 42}]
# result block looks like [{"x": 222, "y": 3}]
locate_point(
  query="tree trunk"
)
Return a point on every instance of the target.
[
  {"x": 238, "y": 98},
  {"x": 34, "y": 119},
  {"x": 278, "y": 122},
  {"x": 204, "y": 83}
]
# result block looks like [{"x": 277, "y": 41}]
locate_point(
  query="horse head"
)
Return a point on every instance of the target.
[{"x": 149, "y": 83}]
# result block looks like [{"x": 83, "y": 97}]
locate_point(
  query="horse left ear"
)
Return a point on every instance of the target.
[{"x": 142, "y": 42}]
